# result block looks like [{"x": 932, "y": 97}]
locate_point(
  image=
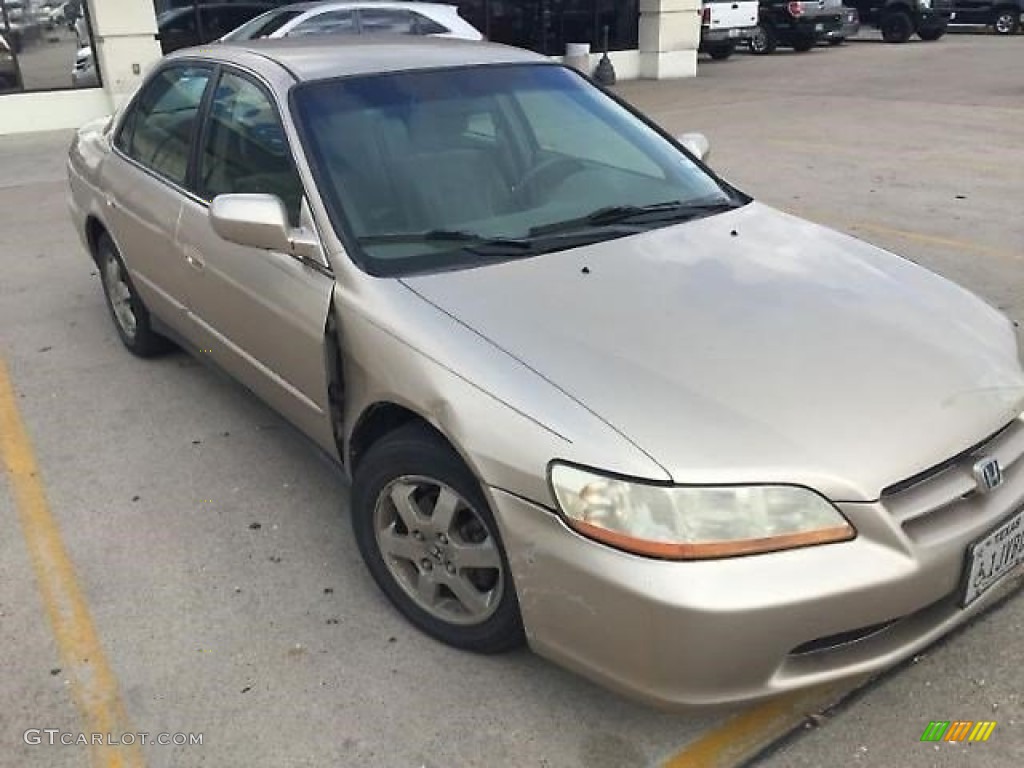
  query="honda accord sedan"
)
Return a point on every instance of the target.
[{"x": 591, "y": 396}]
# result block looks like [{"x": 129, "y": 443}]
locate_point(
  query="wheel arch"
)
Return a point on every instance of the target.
[
  {"x": 94, "y": 230},
  {"x": 380, "y": 419},
  {"x": 899, "y": 7}
]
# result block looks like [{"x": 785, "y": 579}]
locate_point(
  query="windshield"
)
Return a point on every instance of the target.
[{"x": 442, "y": 169}]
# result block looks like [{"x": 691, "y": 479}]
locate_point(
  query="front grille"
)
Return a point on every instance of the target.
[{"x": 938, "y": 495}]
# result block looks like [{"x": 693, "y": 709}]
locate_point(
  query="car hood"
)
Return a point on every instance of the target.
[{"x": 753, "y": 346}]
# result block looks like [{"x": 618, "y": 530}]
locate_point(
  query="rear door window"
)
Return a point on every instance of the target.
[
  {"x": 158, "y": 130},
  {"x": 425, "y": 26},
  {"x": 386, "y": 21},
  {"x": 329, "y": 23}
]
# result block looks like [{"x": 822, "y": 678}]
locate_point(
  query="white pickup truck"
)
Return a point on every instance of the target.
[{"x": 724, "y": 24}]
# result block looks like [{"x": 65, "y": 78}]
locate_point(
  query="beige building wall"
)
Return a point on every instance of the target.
[{"x": 125, "y": 47}]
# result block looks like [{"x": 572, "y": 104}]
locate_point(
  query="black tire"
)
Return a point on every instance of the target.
[
  {"x": 721, "y": 51},
  {"x": 931, "y": 34},
  {"x": 896, "y": 26},
  {"x": 414, "y": 457},
  {"x": 803, "y": 43},
  {"x": 764, "y": 41},
  {"x": 1006, "y": 21},
  {"x": 139, "y": 337}
]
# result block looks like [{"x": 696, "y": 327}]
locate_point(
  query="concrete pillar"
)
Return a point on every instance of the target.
[
  {"x": 669, "y": 38},
  {"x": 124, "y": 44}
]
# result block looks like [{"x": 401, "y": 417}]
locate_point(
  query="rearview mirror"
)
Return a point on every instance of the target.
[
  {"x": 697, "y": 144},
  {"x": 254, "y": 220}
]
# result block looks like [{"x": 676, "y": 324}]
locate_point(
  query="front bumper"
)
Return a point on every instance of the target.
[{"x": 682, "y": 634}]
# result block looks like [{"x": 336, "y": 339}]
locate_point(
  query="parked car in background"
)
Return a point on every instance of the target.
[
  {"x": 179, "y": 27},
  {"x": 851, "y": 23},
  {"x": 354, "y": 18},
  {"x": 189, "y": 26},
  {"x": 591, "y": 396},
  {"x": 1004, "y": 16},
  {"x": 898, "y": 20},
  {"x": 794, "y": 24},
  {"x": 84, "y": 74},
  {"x": 8, "y": 67},
  {"x": 725, "y": 24}
]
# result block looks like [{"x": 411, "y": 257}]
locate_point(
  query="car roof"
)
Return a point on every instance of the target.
[{"x": 318, "y": 58}]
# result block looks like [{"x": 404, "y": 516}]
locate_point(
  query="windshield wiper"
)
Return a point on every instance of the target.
[
  {"x": 672, "y": 210},
  {"x": 442, "y": 235},
  {"x": 501, "y": 248}
]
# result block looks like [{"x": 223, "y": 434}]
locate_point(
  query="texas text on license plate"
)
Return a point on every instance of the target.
[{"x": 992, "y": 557}]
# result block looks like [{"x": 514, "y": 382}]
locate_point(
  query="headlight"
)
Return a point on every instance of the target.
[{"x": 692, "y": 523}]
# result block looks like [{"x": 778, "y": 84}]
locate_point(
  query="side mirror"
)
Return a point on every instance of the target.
[
  {"x": 697, "y": 144},
  {"x": 257, "y": 221},
  {"x": 261, "y": 221}
]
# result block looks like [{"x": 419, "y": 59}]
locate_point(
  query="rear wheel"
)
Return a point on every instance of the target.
[
  {"x": 131, "y": 318},
  {"x": 721, "y": 51},
  {"x": 896, "y": 27},
  {"x": 803, "y": 43},
  {"x": 764, "y": 40},
  {"x": 429, "y": 539},
  {"x": 931, "y": 31},
  {"x": 1007, "y": 21}
]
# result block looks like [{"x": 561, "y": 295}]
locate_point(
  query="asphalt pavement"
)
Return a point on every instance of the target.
[{"x": 174, "y": 558}]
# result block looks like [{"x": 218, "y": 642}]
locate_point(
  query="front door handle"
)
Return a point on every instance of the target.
[{"x": 194, "y": 258}]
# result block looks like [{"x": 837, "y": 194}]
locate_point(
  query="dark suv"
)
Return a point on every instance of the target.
[
  {"x": 797, "y": 25},
  {"x": 1004, "y": 16},
  {"x": 899, "y": 19}
]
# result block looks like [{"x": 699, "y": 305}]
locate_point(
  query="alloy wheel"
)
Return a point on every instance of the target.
[
  {"x": 439, "y": 550},
  {"x": 120, "y": 294},
  {"x": 1005, "y": 23}
]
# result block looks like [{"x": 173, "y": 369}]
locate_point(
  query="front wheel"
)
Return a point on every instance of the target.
[
  {"x": 431, "y": 543},
  {"x": 896, "y": 27},
  {"x": 1006, "y": 22},
  {"x": 764, "y": 40}
]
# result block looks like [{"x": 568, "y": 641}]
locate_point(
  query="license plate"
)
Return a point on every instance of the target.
[
  {"x": 819, "y": 27},
  {"x": 994, "y": 556}
]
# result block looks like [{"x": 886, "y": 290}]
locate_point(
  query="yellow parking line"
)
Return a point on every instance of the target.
[
  {"x": 93, "y": 684},
  {"x": 944, "y": 242},
  {"x": 950, "y": 243},
  {"x": 744, "y": 735}
]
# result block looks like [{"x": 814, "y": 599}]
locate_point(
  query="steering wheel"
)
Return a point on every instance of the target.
[{"x": 545, "y": 174}]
